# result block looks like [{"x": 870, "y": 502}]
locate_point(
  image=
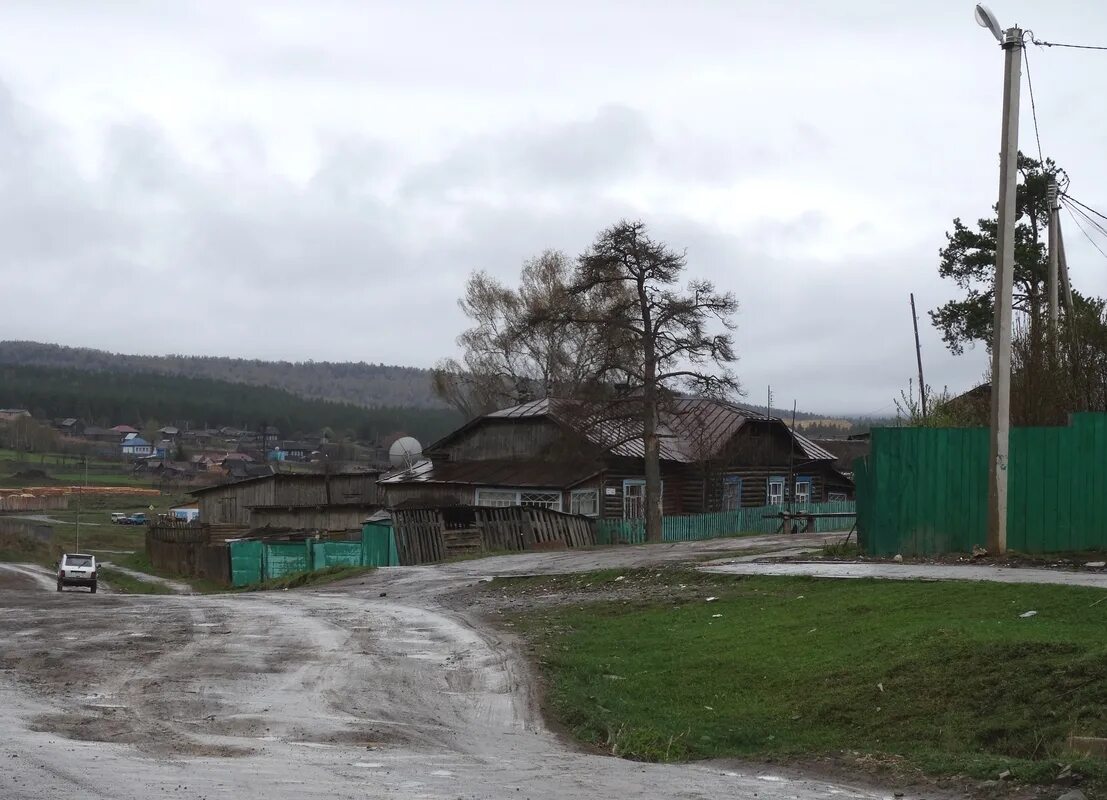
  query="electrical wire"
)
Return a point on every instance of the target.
[
  {"x": 1073, "y": 46},
  {"x": 1086, "y": 234},
  {"x": 1083, "y": 205},
  {"x": 1091, "y": 220},
  {"x": 1033, "y": 107}
]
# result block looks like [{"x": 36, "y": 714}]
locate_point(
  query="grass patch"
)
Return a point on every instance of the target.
[
  {"x": 126, "y": 584},
  {"x": 941, "y": 677},
  {"x": 840, "y": 549},
  {"x": 315, "y": 578}
]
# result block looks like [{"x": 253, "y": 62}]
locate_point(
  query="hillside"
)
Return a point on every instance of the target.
[
  {"x": 361, "y": 384},
  {"x": 108, "y": 398}
]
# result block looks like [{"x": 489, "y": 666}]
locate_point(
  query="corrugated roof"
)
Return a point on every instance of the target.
[
  {"x": 544, "y": 474},
  {"x": 692, "y": 429}
]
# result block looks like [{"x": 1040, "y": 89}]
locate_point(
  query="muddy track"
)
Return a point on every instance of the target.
[{"x": 341, "y": 693}]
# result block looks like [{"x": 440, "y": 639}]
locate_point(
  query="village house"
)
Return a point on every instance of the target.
[
  {"x": 715, "y": 456},
  {"x": 12, "y": 414},
  {"x": 292, "y": 501},
  {"x": 136, "y": 447}
]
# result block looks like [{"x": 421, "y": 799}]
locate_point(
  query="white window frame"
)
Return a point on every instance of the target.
[
  {"x": 728, "y": 481},
  {"x": 641, "y": 482},
  {"x": 769, "y": 494},
  {"x": 810, "y": 484},
  {"x": 504, "y": 497},
  {"x": 577, "y": 494},
  {"x": 836, "y": 497},
  {"x": 552, "y": 499}
]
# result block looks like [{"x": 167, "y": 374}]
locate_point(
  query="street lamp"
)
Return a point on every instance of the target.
[{"x": 999, "y": 439}]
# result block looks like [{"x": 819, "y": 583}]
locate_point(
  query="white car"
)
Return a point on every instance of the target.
[
  {"x": 77, "y": 569},
  {"x": 117, "y": 517}
]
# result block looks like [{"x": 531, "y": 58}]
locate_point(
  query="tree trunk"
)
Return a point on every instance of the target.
[
  {"x": 650, "y": 442},
  {"x": 653, "y": 468}
]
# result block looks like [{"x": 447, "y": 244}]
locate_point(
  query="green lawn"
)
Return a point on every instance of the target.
[{"x": 941, "y": 677}]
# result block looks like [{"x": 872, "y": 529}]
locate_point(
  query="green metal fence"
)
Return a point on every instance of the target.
[
  {"x": 743, "y": 521},
  {"x": 925, "y": 490},
  {"x": 255, "y": 561}
]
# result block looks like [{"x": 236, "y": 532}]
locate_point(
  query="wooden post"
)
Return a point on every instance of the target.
[{"x": 918, "y": 358}]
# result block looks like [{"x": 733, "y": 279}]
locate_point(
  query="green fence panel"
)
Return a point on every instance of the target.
[
  {"x": 286, "y": 558},
  {"x": 925, "y": 490},
  {"x": 245, "y": 563},
  {"x": 336, "y": 554},
  {"x": 740, "y": 522},
  {"x": 378, "y": 546}
]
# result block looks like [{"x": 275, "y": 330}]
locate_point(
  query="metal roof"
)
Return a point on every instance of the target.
[{"x": 691, "y": 429}]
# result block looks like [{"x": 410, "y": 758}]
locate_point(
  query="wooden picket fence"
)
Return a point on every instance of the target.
[{"x": 427, "y": 535}]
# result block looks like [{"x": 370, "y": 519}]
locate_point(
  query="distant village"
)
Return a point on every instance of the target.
[{"x": 186, "y": 454}]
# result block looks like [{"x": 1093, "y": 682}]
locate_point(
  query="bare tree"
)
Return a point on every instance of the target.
[
  {"x": 513, "y": 354},
  {"x": 661, "y": 337}
]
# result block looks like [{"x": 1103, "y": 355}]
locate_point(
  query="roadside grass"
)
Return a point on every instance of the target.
[
  {"x": 942, "y": 678},
  {"x": 296, "y": 580},
  {"x": 27, "y": 549},
  {"x": 126, "y": 584},
  {"x": 140, "y": 562}
]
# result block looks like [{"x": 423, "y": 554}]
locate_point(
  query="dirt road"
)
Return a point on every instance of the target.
[{"x": 342, "y": 693}]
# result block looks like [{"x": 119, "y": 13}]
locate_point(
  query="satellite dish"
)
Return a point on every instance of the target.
[
  {"x": 986, "y": 19},
  {"x": 404, "y": 452}
]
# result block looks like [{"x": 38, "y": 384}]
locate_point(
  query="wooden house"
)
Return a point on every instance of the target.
[
  {"x": 286, "y": 496},
  {"x": 714, "y": 456}
]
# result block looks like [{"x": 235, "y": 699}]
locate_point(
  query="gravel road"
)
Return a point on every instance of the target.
[{"x": 335, "y": 693}]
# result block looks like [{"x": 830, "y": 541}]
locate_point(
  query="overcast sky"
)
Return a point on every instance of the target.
[{"x": 315, "y": 180}]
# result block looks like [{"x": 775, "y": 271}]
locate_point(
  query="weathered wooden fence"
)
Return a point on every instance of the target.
[
  {"x": 427, "y": 535},
  {"x": 186, "y": 549},
  {"x": 742, "y": 521},
  {"x": 925, "y": 490}
]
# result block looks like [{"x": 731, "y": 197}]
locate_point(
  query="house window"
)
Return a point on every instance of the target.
[
  {"x": 550, "y": 500},
  {"x": 836, "y": 497},
  {"x": 732, "y": 493},
  {"x": 803, "y": 490},
  {"x": 634, "y": 498},
  {"x": 496, "y": 498},
  {"x": 585, "y": 501},
  {"x": 776, "y": 491},
  {"x": 501, "y": 498}
]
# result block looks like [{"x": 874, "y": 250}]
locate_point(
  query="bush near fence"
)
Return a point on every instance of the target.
[{"x": 742, "y": 521}]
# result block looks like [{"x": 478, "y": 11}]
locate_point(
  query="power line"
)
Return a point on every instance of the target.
[
  {"x": 1083, "y": 205},
  {"x": 1033, "y": 108},
  {"x": 1074, "y": 46},
  {"x": 1091, "y": 220},
  {"x": 1086, "y": 234}
]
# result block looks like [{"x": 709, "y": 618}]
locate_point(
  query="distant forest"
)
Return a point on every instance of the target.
[
  {"x": 109, "y": 398},
  {"x": 368, "y": 385}
]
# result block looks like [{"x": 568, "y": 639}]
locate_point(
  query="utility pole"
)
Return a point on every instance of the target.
[
  {"x": 1066, "y": 285},
  {"x": 999, "y": 439},
  {"x": 919, "y": 357},
  {"x": 1054, "y": 270}
]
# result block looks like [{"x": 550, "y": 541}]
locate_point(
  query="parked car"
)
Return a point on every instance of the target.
[
  {"x": 136, "y": 519},
  {"x": 118, "y": 518},
  {"x": 77, "y": 569}
]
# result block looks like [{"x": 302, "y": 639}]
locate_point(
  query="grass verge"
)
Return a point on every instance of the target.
[
  {"x": 939, "y": 678},
  {"x": 126, "y": 584}
]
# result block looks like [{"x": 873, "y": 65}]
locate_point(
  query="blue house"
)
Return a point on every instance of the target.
[{"x": 138, "y": 447}]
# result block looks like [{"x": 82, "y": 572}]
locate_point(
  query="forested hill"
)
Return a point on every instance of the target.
[
  {"x": 361, "y": 384},
  {"x": 110, "y": 398}
]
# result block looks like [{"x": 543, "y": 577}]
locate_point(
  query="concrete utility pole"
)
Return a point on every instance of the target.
[
  {"x": 1054, "y": 261},
  {"x": 1005, "y": 268},
  {"x": 919, "y": 358}
]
